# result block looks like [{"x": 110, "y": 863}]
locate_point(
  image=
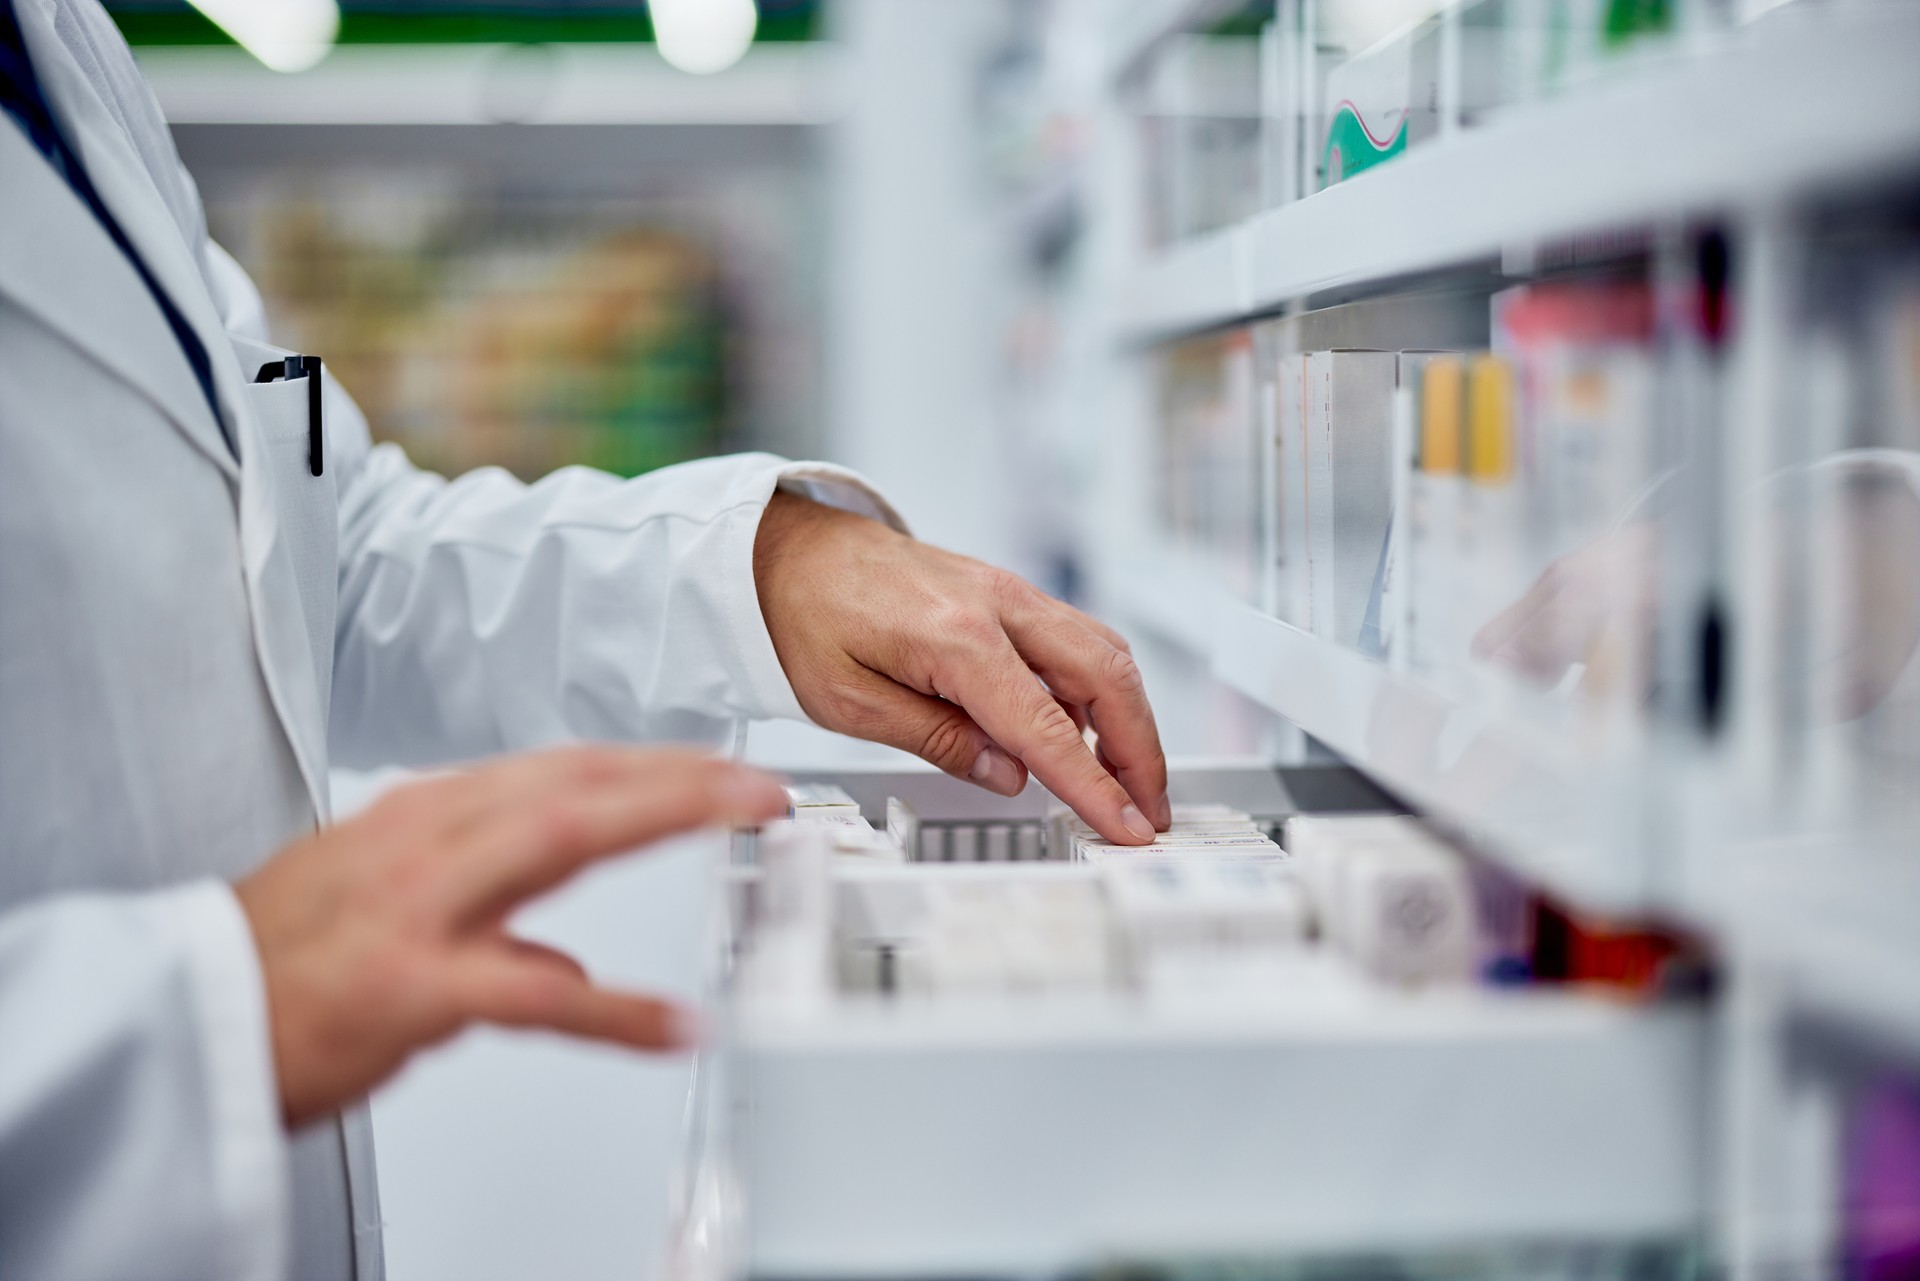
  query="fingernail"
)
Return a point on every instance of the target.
[
  {"x": 994, "y": 770},
  {"x": 1134, "y": 821},
  {"x": 750, "y": 795},
  {"x": 686, "y": 1029}
]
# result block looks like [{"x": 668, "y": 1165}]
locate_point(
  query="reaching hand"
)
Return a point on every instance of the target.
[
  {"x": 964, "y": 665},
  {"x": 1596, "y": 605},
  {"x": 387, "y": 933}
]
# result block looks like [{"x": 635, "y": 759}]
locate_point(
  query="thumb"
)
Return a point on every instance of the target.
[{"x": 938, "y": 732}]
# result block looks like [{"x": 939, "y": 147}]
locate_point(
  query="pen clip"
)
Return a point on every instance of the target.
[{"x": 307, "y": 367}]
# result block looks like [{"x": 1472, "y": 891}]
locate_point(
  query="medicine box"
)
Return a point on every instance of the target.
[
  {"x": 820, "y": 801},
  {"x": 1381, "y": 101},
  {"x": 1389, "y": 896},
  {"x": 1348, "y": 442},
  {"x": 1198, "y": 919}
]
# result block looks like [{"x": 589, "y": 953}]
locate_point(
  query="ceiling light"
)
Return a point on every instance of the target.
[
  {"x": 287, "y": 35},
  {"x": 703, "y": 36}
]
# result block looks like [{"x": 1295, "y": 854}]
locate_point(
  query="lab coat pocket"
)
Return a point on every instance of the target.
[{"x": 305, "y": 506}]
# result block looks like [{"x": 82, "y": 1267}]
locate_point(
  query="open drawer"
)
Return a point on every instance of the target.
[{"x": 1317, "y": 1113}]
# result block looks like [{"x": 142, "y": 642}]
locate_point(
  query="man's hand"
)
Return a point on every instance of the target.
[
  {"x": 964, "y": 665},
  {"x": 387, "y": 933}
]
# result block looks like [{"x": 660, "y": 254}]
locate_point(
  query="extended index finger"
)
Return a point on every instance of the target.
[
  {"x": 1082, "y": 667},
  {"x": 992, "y": 682}
]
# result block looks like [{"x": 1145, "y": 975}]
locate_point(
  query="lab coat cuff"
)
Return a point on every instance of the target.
[
  {"x": 838, "y": 487},
  {"x": 765, "y": 681},
  {"x": 249, "y": 1142}
]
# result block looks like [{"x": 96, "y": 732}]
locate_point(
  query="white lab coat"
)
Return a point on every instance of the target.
[{"x": 187, "y": 638}]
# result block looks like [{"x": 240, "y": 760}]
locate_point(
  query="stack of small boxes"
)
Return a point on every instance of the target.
[
  {"x": 830, "y": 806},
  {"x": 1209, "y": 828},
  {"x": 1024, "y": 933},
  {"x": 1210, "y": 902},
  {"x": 1212, "y": 905},
  {"x": 1390, "y": 896}
]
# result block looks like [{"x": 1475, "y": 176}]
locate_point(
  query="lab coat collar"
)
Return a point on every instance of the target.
[
  {"x": 64, "y": 274},
  {"x": 79, "y": 287},
  {"x": 60, "y": 265}
]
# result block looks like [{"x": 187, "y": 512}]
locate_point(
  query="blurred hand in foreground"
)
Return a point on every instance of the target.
[
  {"x": 1858, "y": 612},
  {"x": 387, "y": 933},
  {"x": 967, "y": 666},
  {"x": 1596, "y": 605}
]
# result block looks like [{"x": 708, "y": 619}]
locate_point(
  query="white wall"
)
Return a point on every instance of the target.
[{"x": 916, "y": 271}]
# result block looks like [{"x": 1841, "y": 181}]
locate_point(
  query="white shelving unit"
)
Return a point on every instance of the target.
[
  {"x": 1521, "y": 792},
  {"x": 1029, "y": 1136},
  {"x": 1599, "y": 158},
  {"x": 1837, "y": 920},
  {"x": 1606, "y": 155},
  {"x": 1754, "y": 127},
  {"x": 1518, "y": 792}
]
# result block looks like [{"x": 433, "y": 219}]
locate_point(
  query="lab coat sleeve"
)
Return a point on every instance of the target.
[
  {"x": 481, "y": 614},
  {"x": 140, "y": 1132}
]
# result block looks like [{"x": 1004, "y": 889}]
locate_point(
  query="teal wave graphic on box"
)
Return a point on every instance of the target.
[{"x": 1352, "y": 147}]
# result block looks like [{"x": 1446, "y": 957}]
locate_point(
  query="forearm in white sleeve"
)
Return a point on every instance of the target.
[
  {"x": 140, "y": 1130},
  {"x": 482, "y": 614}
]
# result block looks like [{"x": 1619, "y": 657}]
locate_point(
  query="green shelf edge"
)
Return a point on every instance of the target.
[{"x": 189, "y": 27}]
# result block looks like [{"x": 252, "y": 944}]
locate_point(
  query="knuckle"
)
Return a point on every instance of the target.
[
  {"x": 961, "y": 622},
  {"x": 1053, "y": 729},
  {"x": 948, "y": 743},
  {"x": 958, "y": 632},
  {"x": 1005, "y": 587},
  {"x": 1122, "y": 673},
  {"x": 916, "y": 657}
]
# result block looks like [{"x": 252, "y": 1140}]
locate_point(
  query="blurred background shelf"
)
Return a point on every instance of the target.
[
  {"x": 1679, "y": 138},
  {"x": 1171, "y": 592},
  {"x": 1143, "y": 24},
  {"x": 1197, "y": 283},
  {"x": 1837, "y": 921}
]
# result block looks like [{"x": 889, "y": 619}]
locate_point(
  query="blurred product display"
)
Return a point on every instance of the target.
[
  {"x": 1211, "y": 489},
  {"x": 1483, "y": 423},
  {"x": 478, "y": 332}
]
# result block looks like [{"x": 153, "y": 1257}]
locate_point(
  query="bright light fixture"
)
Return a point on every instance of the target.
[
  {"x": 287, "y": 35},
  {"x": 703, "y": 36}
]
